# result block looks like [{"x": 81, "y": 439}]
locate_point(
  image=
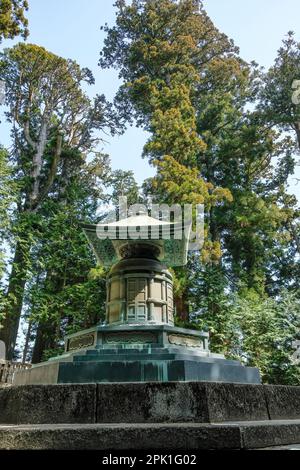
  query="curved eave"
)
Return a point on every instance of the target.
[{"x": 175, "y": 248}]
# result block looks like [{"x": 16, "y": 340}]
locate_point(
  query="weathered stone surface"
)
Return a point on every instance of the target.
[
  {"x": 283, "y": 402},
  {"x": 286, "y": 447},
  {"x": 271, "y": 433},
  {"x": 252, "y": 435},
  {"x": 121, "y": 436},
  {"x": 44, "y": 373},
  {"x": 236, "y": 402},
  {"x": 194, "y": 402},
  {"x": 178, "y": 401},
  {"x": 140, "y": 403},
  {"x": 48, "y": 404}
]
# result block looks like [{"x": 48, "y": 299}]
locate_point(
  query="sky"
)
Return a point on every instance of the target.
[{"x": 71, "y": 28}]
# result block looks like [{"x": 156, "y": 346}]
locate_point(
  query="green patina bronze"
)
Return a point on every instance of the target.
[{"x": 138, "y": 341}]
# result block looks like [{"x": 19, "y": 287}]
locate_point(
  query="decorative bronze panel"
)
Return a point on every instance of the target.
[
  {"x": 130, "y": 338},
  {"x": 183, "y": 340},
  {"x": 81, "y": 342}
]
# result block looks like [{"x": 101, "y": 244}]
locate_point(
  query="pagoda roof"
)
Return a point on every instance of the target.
[{"x": 106, "y": 239}]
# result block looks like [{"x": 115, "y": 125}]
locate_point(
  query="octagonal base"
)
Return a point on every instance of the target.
[{"x": 137, "y": 353}]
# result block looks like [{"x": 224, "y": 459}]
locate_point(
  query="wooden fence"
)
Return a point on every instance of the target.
[{"x": 7, "y": 370}]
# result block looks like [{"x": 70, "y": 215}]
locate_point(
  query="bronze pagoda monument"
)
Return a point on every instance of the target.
[{"x": 138, "y": 342}]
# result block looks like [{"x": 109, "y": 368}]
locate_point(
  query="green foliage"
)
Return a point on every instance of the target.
[
  {"x": 221, "y": 133},
  {"x": 209, "y": 298},
  {"x": 48, "y": 110},
  {"x": 124, "y": 185},
  {"x": 12, "y": 19},
  {"x": 65, "y": 291},
  {"x": 277, "y": 104},
  {"x": 257, "y": 330},
  {"x": 7, "y": 196},
  {"x": 264, "y": 331},
  {"x": 162, "y": 49},
  {"x": 54, "y": 126},
  {"x": 208, "y": 114},
  {"x": 50, "y": 353}
]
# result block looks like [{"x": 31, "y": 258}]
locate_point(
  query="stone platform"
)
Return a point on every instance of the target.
[
  {"x": 171, "y": 416},
  {"x": 134, "y": 437},
  {"x": 137, "y": 353}
]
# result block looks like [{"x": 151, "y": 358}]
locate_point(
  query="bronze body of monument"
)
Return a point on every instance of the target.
[{"x": 138, "y": 341}]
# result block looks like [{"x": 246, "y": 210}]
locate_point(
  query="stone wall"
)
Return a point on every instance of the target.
[{"x": 191, "y": 402}]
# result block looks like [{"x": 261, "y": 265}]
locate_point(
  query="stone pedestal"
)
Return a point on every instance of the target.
[
  {"x": 152, "y": 416},
  {"x": 137, "y": 353}
]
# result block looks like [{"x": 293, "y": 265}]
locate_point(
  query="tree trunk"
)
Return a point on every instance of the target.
[
  {"x": 27, "y": 341},
  {"x": 297, "y": 128},
  {"x": 295, "y": 235},
  {"x": 45, "y": 339},
  {"x": 15, "y": 294},
  {"x": 39, "y": 345},
  {"x": 182, "y": 307}
]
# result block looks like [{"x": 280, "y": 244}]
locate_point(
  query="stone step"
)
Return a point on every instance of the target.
[
  {"x": 149, "y": 370},
  {"x": 135, "y": 350},
  {"x": 189, "y": 402},
  {"x": 131, "y": 357},
  {"x": 91, "y": 353},
  {"x": 164, "y": 436},
  {"x": 117, "y": 352},
  {"x": 120, "y": 346},
  {"x": 162, "y": 355},
  {"x": 286, "y": 447}
]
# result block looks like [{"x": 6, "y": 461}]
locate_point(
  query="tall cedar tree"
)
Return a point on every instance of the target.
[
  {"x": 48, "y": 111},
  {"x": 161, "y": 49}
]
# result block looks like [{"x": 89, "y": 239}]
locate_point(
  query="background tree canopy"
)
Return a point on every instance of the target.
[
  {"x": 222, "y": 132},
  {"x": 12, "y": 19}
]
